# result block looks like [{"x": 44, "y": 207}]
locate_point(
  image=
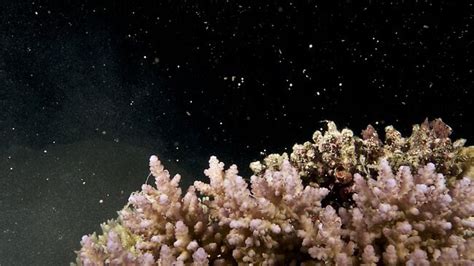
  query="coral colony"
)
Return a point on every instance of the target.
[{"x": 338, "y": 200}]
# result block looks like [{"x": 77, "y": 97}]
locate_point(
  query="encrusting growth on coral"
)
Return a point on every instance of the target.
[
  {"x": 340, "y": 200},
  {"x": 334, "y": 156}
]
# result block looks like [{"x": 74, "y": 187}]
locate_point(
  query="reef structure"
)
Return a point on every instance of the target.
[{"x": 338, "y": 200}]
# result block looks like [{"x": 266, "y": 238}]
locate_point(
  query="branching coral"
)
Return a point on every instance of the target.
[
  {"x": 335, "y": 156},
  {"x": 397, "y": 216},
  {"x": 419, "y": 214}
]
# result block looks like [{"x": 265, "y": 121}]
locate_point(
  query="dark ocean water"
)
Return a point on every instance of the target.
[{"x": 89, "y": 90}]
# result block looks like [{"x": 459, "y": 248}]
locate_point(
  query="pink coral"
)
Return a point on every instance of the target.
[
  {"x": 414, "y": 216},
  {"x": 409, "y": 216},
  {"x": 397, "y": 218}
]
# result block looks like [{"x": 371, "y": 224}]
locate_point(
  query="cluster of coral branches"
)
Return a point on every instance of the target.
[{"x": 340, "y": 200}]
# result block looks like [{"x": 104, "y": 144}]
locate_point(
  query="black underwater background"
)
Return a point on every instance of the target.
[{"x": 90, "y": 89}]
